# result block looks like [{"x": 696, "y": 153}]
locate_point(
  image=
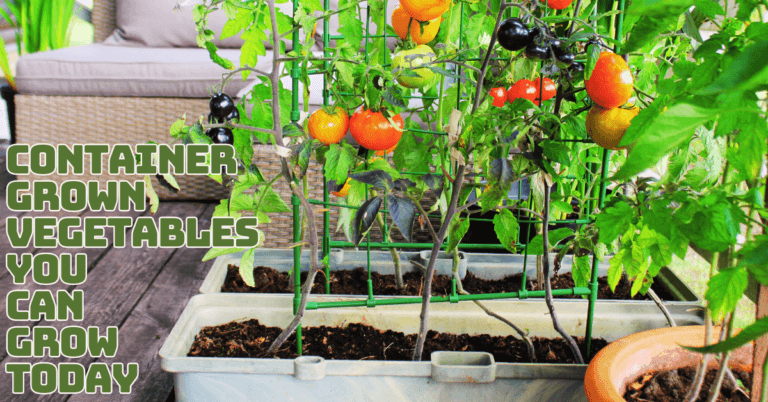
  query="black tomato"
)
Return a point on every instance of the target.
[
  {"x": 536, "y": 52},
  {"x": 533, "y": 34},
  {"x": 577, "y": 67},
  {"x": 564, "y": 58},
  {"x": 561, "y": 55},
  {"x": 221, "y": 106},
  {"x": 513, "y": 34},
  {"x": 235, "y": 115},
  {"x": 221, "y": 135}
]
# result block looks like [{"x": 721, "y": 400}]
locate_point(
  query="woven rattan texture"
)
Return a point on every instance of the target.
[
  {"x": 87, "y": 120},
  {"x": 103, "y": 18},
  {"x": 83, "y": 120}
]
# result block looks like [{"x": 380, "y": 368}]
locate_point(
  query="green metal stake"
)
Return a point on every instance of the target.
[
  {"x": 326, "y": 195},
  {"x": 295, "y": 115},
  {"x": 296, "y": 266}
]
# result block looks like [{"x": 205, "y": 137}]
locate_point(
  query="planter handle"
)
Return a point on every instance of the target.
[
  {"x": 475, "y": 367},
  {"x": 309, "y": 368}
]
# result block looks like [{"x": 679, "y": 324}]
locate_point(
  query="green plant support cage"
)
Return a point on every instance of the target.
[{"x": 328, "y": 243}]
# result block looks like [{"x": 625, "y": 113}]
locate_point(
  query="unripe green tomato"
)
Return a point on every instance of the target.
[{"x": 412, "y": 60}]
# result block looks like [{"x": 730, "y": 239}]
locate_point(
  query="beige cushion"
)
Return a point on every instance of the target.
[
  {"x": 99, "y": 70},
  {"x": 159, "y": 23}
]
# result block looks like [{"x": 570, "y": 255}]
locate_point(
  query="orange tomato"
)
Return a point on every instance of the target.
[
  {"x": 343, "y": 191},
  {"x": 328, "y": 128},
  {"x": 400, "y": 21},
  {"x": 611, "y": 82},
  {"x": 426, "y": 10},
  {"x": 607, "y": 126}
]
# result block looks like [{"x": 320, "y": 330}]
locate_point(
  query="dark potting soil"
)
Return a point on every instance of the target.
[
  {"x": 354, "y": 282},
  {"x": 672, "y": 386},
  {"x": 363, "y": 342}
]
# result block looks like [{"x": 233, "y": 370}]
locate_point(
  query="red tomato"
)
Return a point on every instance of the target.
[
  {"x": 557, "y": 4},
  {"x": 550, "y": 89},
  {"x": 523, "y": 89},
  {"x": 499, "y": 96},
  {"x": 373, "y": 131}
]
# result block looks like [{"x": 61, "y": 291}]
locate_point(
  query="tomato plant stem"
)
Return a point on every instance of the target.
[
  {"x": 660, "y": 303},
  {"x": 314, "y": 267},
  {"x": 547, "y": 283}
]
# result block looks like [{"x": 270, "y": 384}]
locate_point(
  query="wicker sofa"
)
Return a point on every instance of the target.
[
  {"x": 125, "y": 90},
  {"x": 129, "y": 93}
]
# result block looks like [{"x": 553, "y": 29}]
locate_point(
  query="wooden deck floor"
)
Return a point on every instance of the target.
[{"x": 141, "y": 291}]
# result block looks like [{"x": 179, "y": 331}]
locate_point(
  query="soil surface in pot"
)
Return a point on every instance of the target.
[
  {"x": 363, "y": 342},
  {"x": 354, "y": 282},
  {"x": 671, "y": 386}
]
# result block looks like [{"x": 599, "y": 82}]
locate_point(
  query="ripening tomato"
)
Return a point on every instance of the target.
[
  {"x": 373, "y": 131},
  {"x": 328, "y": 128}
]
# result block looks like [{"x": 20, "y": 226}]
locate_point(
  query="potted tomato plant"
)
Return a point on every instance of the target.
[
  {"x": 459, "y": 131},
  {"x": 711, "y": 194}
]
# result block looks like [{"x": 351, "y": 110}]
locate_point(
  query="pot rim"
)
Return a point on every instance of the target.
[{"x": 623, "y": 360}]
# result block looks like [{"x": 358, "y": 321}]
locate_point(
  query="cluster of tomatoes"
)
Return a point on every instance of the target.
[
  {"x": 419, "y": 20},
  {"x": 514, "y": 35},
  {"x": 535, "y": 91},
  {"x": 610, "y": 87},
  {"x": 370, "y": 129},
  {"x": 223, "y": 109}
]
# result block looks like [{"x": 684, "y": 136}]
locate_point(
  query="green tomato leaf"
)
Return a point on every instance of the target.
[
  {"x": 556, "y": 152},
  {"x": 338, "y": 160},
  {"x": 456, "y": 232},
  {"x": 724, "y": 291},
  {"x": 615, "y": 270},
  {"x": 154, "y": 200},
  {"x": 535, "y": 247},
  {"x": 612, "y": 222},
  {"x": 506, "y": 227},
  {"x": 748, "y": 334},
  {"x": 212, "y": 52},
  {"x": 246, "y": 267},
  {"x": 653, "y": 17},
  {"x": 581, "y": 271},
  {"x": 747, "y": 72},
  {"x": 662, "y": 134},
  {"x": 217, "y": 252},
  {"x": 754, "y": 257},
  {"x": 593, "y": 53},
  {"x": 272, "y": 202}
]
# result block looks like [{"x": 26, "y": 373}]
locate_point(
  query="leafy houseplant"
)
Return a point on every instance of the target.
[{"x": 464, "y": 127}]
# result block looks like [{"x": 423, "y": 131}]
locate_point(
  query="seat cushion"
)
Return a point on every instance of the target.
[
  {"x": 100, "y": 70},
  {"x": 170, "y": 23},
  {"x": 164, "y": 23}
]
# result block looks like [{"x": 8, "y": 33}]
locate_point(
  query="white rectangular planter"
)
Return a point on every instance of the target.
[
  {"x": 483, "y": 265},
  {"x": 480, "y": 378}
]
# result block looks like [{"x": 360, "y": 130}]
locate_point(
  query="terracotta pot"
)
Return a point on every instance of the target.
[{"x": 624, "y": 360}]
